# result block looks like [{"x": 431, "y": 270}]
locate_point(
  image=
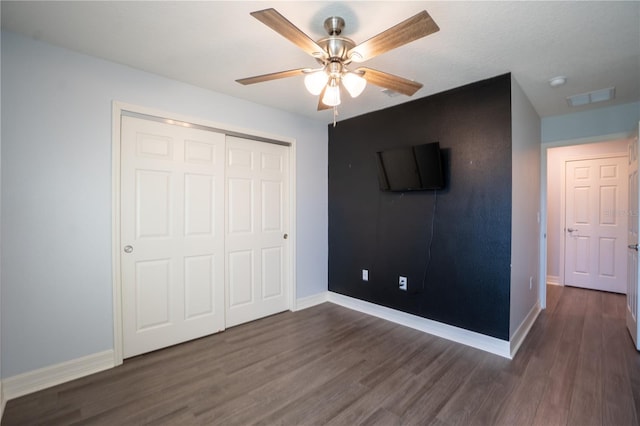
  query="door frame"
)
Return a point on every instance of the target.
[
  {"x": 118, "y": 108},
  {"x": 544, "y": 146},
  {"x": 563, "y": 203}
]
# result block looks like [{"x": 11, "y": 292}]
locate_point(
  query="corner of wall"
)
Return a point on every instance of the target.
[
  {"x": 523, "y": 330},
  {"x": 525, "y": 210},
  {"x": 3, "y": 401},
  {"x": 310, "y": 301},
  {"x": 46, "y": 377}
]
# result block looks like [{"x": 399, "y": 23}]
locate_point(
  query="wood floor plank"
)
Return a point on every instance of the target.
[
  {"x": 425, "y": 409},
  {"x": 282, "y": 390},
  {"x": 359, "y": 411},
  {"x": 554, "y": 405},
  {"x": 464, "y": 407},
  {"x": 585, "y": 407},
  {"x": 618, "y": 405},
  {"x": 330, "y": 365},
  {"x": 447, "y": 353},
  {"x": 381, "y": 417},
  {"x": 633, "y": 369},
  {"x": 523, "y": 404}
]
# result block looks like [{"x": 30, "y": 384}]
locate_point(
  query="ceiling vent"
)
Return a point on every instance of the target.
[{"x": 592, "y": 97}]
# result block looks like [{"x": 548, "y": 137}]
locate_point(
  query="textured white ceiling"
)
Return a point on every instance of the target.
[{"x": 211, "y": 44}]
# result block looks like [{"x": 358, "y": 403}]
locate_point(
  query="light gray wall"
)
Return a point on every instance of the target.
[
  {"x": 56, "y": 193},
  {"x": 595, "y": 122},
  {"x": 556, "y": 158},
  {"x": 525, "y": 229}
]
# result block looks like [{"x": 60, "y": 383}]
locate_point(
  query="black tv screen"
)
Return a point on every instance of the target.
[{"x": 412, "y": 168}]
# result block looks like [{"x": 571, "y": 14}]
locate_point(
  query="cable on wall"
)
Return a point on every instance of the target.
[{"x": 433, "y": 222}]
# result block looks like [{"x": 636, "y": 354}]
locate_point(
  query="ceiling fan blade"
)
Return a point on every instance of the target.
[
  {"x": 390, "y": 81},
  {"x": 321, "y": 106},
  {"x": 418, "y": 26},
  {"x": 274, "y": 20},
  {"x": 271, "y": 76}
]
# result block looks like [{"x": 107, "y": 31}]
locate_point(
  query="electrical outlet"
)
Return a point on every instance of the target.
[
  {"x": 365, "y": 275},
  {"x": 402, "y": 282}
]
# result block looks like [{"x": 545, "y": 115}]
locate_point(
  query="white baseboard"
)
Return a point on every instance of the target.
[
  {"x": 309, "y": 301},
  {"x": 36, "y": 380},
  {"x": 522, "y": 331},
  {"x": 3, "y": 401},
  {"x": 32, "y": 381},
  {"x": 553, "y": 280},
  {"x": 449, "y": 332}
]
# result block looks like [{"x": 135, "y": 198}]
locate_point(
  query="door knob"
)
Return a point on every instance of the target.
[
  {"x": 571, "y": 230},
  {"x": 633, "y": 247},
  {"x": 128, "y": 249},
  {"x": 285, "y": 236}
]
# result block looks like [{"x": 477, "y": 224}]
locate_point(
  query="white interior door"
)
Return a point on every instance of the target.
[
  {"x": 595, "y": 224},
  {"x": 172, "y": 234},
  {"x": 633, "y": 283},
  {"x": 257, "y": 220}
]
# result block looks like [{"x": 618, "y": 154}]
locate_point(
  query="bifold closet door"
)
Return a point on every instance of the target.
[
  {"x": 172, "y": 234},
  {"x": 256, "y": 224}
]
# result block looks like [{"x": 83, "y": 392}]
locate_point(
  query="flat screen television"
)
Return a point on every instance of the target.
[{"x": 412, "y": 168}]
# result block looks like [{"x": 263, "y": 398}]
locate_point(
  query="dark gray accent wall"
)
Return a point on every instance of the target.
[{"x": 466, "y": 282}]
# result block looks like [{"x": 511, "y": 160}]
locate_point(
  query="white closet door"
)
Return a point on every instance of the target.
[
  {"x": 257, "y": 220},
  {"x": 172, "y": 234}
]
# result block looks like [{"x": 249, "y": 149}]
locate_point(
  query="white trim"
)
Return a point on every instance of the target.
[
  {"x": 3, "y": 401},
  {"x": 554, "y": 280},
  {"x": 596, "y": 156},
  {"x": 292, "y": 226},
  {"x": 523, "y": 330},
  {"x": 449, "y": 332},
  {"x": 542, "y": 285},
  {"x": 562, "y": 222},
  {"x": 246, "y": 133},
  {"x": 310, "y": 301},
  {"x": 118, "y": 355},
  {"x": 117, "y": 109},
  {"x": 53, "y": 375},
  {"x": 587, "y": 140}
]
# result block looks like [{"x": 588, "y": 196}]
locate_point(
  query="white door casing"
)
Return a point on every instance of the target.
[
  {"x": 256, "y": 227},
  {"x": 172, "y": 234},
  {"x": 633, "y": 276},
  {"x": 595, "y": 224}
]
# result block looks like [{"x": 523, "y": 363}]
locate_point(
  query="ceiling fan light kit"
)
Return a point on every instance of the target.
[
  {"x": 336, "y": 52},
  {"x": 315, "y": 81},
  {"x": 354, "y": 83},
  {"x": 331, "y": 95}
]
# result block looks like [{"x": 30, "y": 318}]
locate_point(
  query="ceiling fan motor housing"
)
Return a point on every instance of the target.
[
  {"x": 335, "y": 47},
  {"x": 334, "y": 25}
]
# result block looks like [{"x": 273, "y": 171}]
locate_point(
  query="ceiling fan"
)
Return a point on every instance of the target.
[{"x": 335, "y": 53}]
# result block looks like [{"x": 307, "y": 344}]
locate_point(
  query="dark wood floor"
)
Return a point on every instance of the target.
[{"x": 330, "y": 365}]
